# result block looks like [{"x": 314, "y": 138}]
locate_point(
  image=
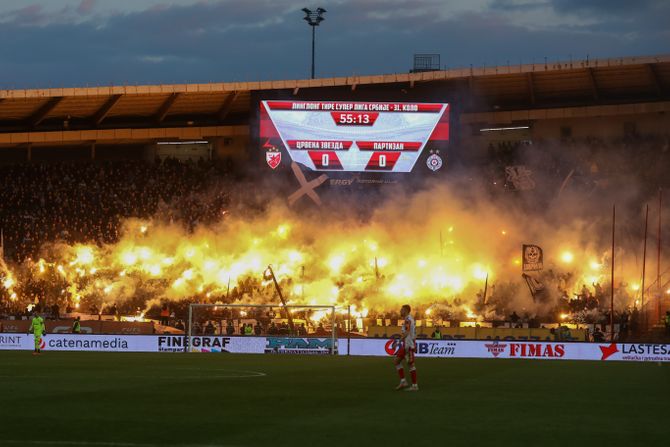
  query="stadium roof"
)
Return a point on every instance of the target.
[{"x": 154, "y": 112}]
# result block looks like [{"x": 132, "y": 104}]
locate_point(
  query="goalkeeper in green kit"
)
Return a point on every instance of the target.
[{"x": 38, "y": 328}]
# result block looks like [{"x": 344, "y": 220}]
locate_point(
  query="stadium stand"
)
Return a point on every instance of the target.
[
  {"x": 564, "y": 105},
  {"x": 86, "y": 202}
]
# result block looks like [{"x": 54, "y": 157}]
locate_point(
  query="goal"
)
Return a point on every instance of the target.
[{"x": 262, "y": 328}]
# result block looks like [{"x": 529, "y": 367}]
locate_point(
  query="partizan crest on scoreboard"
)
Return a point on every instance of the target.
[{"x": 434, "y": 161}]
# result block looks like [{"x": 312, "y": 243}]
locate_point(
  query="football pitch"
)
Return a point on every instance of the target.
[{"x": 141, "y": 400}]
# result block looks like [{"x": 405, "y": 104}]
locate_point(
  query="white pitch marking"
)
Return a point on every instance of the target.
[
  {"x": 236, "y": 374},
  {"x": 245, "y": 373},
  {"x": 241, "y": 375},
  {"x": 107, "y": 444}
]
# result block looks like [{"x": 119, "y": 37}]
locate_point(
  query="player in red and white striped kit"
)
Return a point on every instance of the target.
[{"x": 406, "y": 350}]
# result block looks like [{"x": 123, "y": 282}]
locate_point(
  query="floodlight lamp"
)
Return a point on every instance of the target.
[{"x": 313, "y": 18}]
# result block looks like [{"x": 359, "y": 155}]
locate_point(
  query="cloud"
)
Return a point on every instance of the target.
[
  {"x": 607, "y": 7},
  {"x": 152, "y": 59},
  {"x": 29, "y": 15},
  {"x": 241, "y": 41},
  {"x": 518, "y": 5},
  {"x": 86, "y": 7}
]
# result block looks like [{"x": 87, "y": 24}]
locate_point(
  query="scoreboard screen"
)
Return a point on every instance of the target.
[{"x": 350, "y": 136}]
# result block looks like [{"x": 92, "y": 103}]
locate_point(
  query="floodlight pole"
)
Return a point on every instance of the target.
[
  {"x": 187, "y": 348},
  {"x": 612, "y": 280},
  {"x": 313, "y": 48},
  {"x": 643, "y": 311},
  {"x": 349, "y": 330},
  {"x": 658, "y": 261},
  {"x": 313, "y": 19},
  {"x": 332, "y": 340}
]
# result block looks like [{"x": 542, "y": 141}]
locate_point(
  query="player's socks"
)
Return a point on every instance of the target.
[
  {"x": 401, "y": 372},
  {"x": 412, "y": 373}
]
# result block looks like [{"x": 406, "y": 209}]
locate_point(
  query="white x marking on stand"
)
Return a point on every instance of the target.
[{"x": 306, "y": 188}]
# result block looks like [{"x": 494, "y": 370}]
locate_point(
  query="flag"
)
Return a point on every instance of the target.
[
  {"x": 536, "y": 287},
  {"x": 519, "y": 178},
  {"x": 533, "y": 258}
]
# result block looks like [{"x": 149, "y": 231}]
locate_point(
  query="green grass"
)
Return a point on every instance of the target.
[{"x": 180, "y": 399}]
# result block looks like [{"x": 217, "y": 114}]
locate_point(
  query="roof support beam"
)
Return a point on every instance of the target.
[
  {"x": 594, "y": 85},
  {"x": 103, "y": 111},
  {"x": 36, "y": 118},
  {"x": 531, "y": 87},
  {"x": 579, "y": 111},
  {"x": 227, "y": 106},
  {"x": 165, "y": 108},
  {"x": 656, "y": 82},
  {"x": 114, "y": 136}
]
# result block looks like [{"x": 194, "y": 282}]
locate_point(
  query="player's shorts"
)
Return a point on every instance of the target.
[{"x": 407, "y": 354}]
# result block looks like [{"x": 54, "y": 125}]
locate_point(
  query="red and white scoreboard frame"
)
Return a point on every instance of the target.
[{"x": 351, "y": 136}]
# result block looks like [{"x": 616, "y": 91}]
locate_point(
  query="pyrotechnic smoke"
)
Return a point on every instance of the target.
[{"x": 433, "y": 248}]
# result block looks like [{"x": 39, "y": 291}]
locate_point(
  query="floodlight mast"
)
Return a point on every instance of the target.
[{"x": 313, "y": 19}]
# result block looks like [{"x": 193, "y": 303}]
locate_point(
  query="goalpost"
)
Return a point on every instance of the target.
[{"x": 299, "y": 326}]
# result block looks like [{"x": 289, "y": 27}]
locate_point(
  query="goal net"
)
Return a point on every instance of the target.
[{"x": 261, "y": 328}]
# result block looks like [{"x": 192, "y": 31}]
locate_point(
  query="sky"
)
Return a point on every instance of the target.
[{"x": 56, "y": 43}]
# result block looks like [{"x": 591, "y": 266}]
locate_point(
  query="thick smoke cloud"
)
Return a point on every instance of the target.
[{"x": 429, "y": 243}]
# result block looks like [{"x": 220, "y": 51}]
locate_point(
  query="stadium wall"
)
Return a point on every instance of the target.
[
  {"x": 613, "y": 127},
  {"x": 630, "y": 352},
  {"x": 578, "y": 128}
]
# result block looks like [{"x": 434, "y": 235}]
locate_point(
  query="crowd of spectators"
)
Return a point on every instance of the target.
[
  {"x": 255, "y": 327},
  {"x": 86, "y": 202},
  {"x": 590, "y": 163}
]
